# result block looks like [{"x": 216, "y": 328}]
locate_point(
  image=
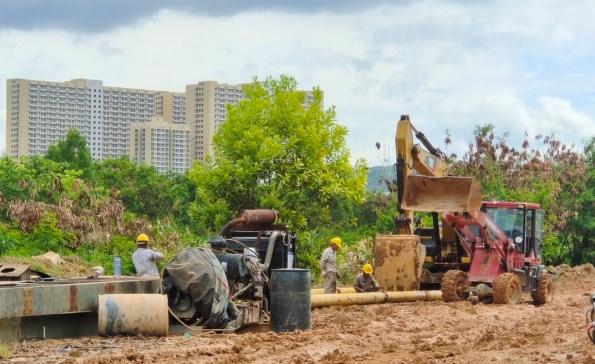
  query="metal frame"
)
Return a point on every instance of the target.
[{"x": 60, "y": 308}]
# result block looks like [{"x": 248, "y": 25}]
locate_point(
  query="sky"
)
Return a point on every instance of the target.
[{"x": 524, "y": 66}]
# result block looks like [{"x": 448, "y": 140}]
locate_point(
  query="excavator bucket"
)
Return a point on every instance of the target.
[
  {"x": 399, "y": 262},
  {"x": 440, "y": 194}
]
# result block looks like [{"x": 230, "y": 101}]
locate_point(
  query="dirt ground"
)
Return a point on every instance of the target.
[{"x": 429, "y": 332}]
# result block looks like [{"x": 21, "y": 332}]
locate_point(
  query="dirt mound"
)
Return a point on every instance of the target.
[{"x": 575, "y": 278}]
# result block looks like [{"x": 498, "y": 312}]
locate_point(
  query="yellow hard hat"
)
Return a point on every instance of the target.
[
  {"x": 367, "y": 268},
  {"x": 142, "y": 239},
  {"x": 337, "y": 241}
]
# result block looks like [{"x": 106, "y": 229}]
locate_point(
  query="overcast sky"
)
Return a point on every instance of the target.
[{"x": 521, "y": 65}]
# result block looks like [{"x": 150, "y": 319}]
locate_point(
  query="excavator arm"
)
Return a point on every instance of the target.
[
  {"x": 422, "y": 179},
  {"x": 423, "y": 185},
  {"x": 411, "y": 160}
]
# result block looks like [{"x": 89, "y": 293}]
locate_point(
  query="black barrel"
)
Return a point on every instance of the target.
[{"x": 290, "y": 300}]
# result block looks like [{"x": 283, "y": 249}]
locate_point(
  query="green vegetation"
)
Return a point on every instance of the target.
[{"x": 274, "y": 151}]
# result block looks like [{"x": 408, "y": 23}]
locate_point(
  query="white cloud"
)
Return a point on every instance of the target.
[
  {"x": 560, "y": 117},
  {"x": 447, "y": 64}
]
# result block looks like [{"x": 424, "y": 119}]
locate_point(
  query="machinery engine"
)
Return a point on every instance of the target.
[{"x": 249, "y": 247}]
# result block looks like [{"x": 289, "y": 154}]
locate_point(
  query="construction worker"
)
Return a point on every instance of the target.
[
  {"x": 365, "y": 282},
  {"x": 144, "y": 258},
  {"x": 328, "y": 265}
]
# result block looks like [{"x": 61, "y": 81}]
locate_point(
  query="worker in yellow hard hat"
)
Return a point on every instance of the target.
[
  {"x": 365, "y": 281},
  {"x": 144, "y": 258},
  {"x": 328, "y": 265}
]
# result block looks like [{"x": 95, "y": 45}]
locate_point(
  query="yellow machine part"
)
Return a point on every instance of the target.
[
  {"x": 339, "y": 290},
  {"x": 441, "y": 194},
  {"x": 132, "y": 314},
  {"x": 347, "y": 299},
  {"x": 399, "y": 262}
]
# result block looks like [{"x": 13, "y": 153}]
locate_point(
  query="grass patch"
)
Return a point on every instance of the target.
[{"x": 69, "y": 266}]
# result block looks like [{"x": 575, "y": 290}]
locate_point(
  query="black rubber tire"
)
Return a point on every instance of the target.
[
  {"x": 507, "y": 289},
  {"x": 544, "y": 293},
  {"x": 454, "y": 286}
]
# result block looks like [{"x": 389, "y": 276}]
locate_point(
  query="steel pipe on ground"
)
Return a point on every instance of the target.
[
  {"x": 339, "y": 290},
  {"x": 347, "y": 299},
  {"x": 132, "y": 314}
]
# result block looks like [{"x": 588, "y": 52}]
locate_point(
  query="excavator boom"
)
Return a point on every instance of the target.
[{"x": 423, "y": 185}]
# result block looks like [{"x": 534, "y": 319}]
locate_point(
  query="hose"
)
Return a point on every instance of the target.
[{"x": 240, "y": 292}]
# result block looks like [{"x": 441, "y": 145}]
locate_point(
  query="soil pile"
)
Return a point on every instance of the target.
[{"x": 575, "y": 278}]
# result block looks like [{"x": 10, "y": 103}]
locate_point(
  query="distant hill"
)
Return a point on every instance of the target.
[{"x": 376, "y": 177}]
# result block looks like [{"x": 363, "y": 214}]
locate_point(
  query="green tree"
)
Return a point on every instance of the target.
[
  {"x": 74, "y": 151},
  {"x": 275, "y": 150},
  {"x": 143, "y": 190},
  {"x": 582, "y": 227}
]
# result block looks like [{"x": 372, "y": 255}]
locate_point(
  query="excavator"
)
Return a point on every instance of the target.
[{"x": 473, "y": 250}]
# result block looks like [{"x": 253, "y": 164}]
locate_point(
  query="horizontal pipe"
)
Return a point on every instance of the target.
[
  {"x": 132, "y": 314},
  {"x": 413, "y": 296},
  {"x": 347, "y": 299},
  {"x": 339, "y": 290}
]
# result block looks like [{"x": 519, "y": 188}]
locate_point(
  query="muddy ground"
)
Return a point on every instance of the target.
[{"x": 429, "y": 332}]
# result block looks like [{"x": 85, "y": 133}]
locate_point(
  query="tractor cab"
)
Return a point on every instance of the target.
[{"x": 522, "y": 223}]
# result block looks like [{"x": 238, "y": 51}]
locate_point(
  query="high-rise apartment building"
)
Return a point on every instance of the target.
[
  {"x": 161, "y": 144},
  {"x": 205, "y": 110},
  {"x": 40, "y": 113}
]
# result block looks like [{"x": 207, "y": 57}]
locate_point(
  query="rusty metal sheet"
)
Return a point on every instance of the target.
[
  {"x": 74, "y": 306},
  {"x": 441, "y": 194},
  {"x": 399, "y": 262},
  {"x": 27, "y": 302}
]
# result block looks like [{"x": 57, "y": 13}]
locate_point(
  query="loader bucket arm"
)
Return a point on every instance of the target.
[{"x": 441, "y": 194}]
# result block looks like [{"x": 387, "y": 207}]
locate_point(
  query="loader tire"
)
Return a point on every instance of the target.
[
  {"x": 454, "y": 286},
  {"x": 507, "y": 289},
  {"x": 544, "y": 292}
]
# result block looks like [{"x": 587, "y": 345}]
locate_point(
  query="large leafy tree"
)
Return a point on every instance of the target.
[
  {"x": 275, "y": 150},
  {"x": 74, "y": 151}
]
